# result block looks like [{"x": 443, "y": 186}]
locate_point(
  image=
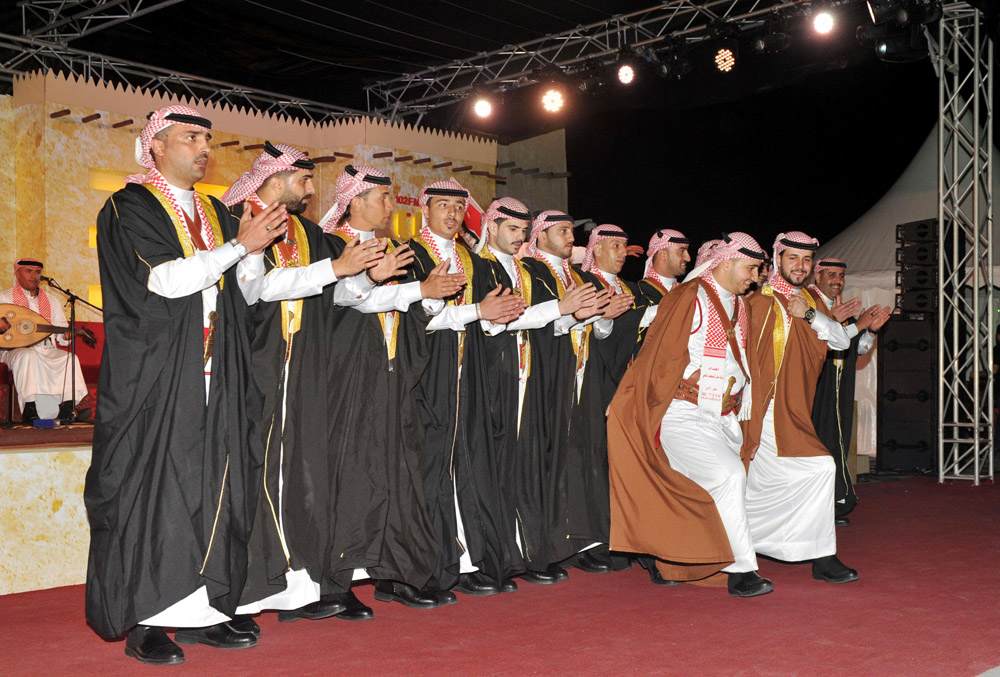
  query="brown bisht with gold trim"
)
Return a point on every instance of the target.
[
  {"x": 172, "y": 484},
  {"x": 784, "y": 368},
  {"x": 656, "y": 510}
]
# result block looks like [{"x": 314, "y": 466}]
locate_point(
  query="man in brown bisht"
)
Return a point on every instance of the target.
[
  {"x": 674, "y": 431},
  {"x": 792, "y": 473}
]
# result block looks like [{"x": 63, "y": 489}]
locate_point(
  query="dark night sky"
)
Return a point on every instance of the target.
[{"x": 811, "y": 157}]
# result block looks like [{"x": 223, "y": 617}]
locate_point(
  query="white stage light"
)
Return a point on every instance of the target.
[
  {"x": 725, "y": 60},
  {"x": 483, "y": 108},
  {"x": 823, "y": 23},
  {"x": 552, "y": 100},
  {"x": 626, "y": 74}
]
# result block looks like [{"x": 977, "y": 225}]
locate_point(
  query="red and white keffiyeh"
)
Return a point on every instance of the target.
[
  {"x": 829, "y": 263},
  {"x": 792, "y": 240},
  {"x": 543, "y": 221},
  {"x": 499, "y": 210},
  {"x": 274, "y": 159},
  {"x": 353, "y": 181},
  {"x": 157, "y": 121},
  {"x": 21, "y": 298},
  {"x": 661, "y": 240},
  {"x": 605, "y": 231},
  {"x": 713, "y": 384}
]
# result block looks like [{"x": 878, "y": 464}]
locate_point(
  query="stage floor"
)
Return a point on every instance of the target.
[
  {"x": 20, "y": 436},
  {"x": 927, "y": 604}
]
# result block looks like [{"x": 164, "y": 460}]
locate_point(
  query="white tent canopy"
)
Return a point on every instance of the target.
[{"x": 868, "y": 247}]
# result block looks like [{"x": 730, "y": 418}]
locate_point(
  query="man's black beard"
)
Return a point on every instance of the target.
[
  {"x": 294, "y": 204},
  {"x": 797, "y": 286}
]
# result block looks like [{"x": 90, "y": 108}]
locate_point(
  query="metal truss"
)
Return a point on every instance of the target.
[
  {"x": 669, "y": 24},
  {"x": 963, "y": 57},
  {"x": 65, "y": 20},
  {"x": 33, "y": 54}
]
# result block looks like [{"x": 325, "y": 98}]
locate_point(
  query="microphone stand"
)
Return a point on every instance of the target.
[{"x": 72, "y": 299}]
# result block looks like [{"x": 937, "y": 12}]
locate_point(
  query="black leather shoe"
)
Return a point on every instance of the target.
[
  {"x": 221, "y": 636},
  {"x": 841, "y": 521},
  {"x": 324, "y": 608},
  {"x": 508, "y": 585},
  {"x": 478, "y": 584},
  {"x": 151, "y": 645},
  {"x": 540, "y": 577},
  {"x": 405, "y": 594},
  {"x": 593, "y": 563},
  {"x": 443, "y": 597},
  {"x": 354, "y": 610},
  {"x": 245, "y": 624},
  {"x": 748, "y": 584},
  {"x": 649, "y": 564},
  {"x": 832, "y": 570},
  {"x": 30, "y": 414},
  {"x": 65, "y": 414},
  {"x": 557, "y": 571}
]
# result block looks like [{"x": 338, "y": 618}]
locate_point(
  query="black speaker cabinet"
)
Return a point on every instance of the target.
[
  {"x": 918, "y": 231},
  {"x": 907, "y": 396},
  {"x": 917, "y": 254}
]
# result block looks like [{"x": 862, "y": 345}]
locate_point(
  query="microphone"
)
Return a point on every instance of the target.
[{"x": 45, "y": 279}]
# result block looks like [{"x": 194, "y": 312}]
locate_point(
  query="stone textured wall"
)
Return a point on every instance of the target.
[{"x": 42, "y": 519}]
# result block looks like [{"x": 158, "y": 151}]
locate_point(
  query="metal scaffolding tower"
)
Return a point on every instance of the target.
[{"x": 963, "y": 58}]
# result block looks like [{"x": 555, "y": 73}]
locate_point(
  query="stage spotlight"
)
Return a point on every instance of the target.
[
  {"x": 905, "y": 47},
  {"x": 772, "y": 43},
  {"x": 727, "y": 54},
  {"x": 725, "y": 59},
  {"x": 626, "y": 74},
  {"x": 552, "y": 100},
  {"x": 823, "y": 22},
  {"x": 882, "y": 11},
  {"x": 903, "y": 12},
  {"x": 483, "y": 107}
]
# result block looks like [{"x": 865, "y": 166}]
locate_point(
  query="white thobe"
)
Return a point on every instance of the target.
[
  {"x": 866, "y": 341},
  {"x": 41, "y": 371},
  {"x": 790, "y": 500},
  {"x": 706, "y": 449}
]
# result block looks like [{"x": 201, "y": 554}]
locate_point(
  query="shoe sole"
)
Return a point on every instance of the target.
[
  {"x": 535, "y": 581},
  {"x": 292, "y": 616},
  {"x": 388, "y": 597},
  {"x": 216, "y": 645},
  {"x": 752, "y": 594},
  {"x": 347, "y": 617},
  {"x": 476, "y": 593},
  {"x": 835, "y": 581},
  {"x": 150, "y": 661}
]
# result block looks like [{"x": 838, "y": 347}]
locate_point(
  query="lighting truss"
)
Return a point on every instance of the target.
[
  {"x": 660, "y": 26},
  {"x": 33, "y": 54},
  {"x": 65, "y": 20},
  {"x": 962, "y": 55}
]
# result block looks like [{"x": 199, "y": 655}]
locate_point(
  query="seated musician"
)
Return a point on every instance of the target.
[{"x": 41, "y": 371}]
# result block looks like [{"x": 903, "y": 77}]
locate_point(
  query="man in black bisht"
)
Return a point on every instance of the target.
[
  {"x": 833, "y": 408},
  {"x": 563, "y": 508},
  {"x": 176, "y": 456},
  {"x": 381, "y": 527},
  {"x": 296, "y": 283},
  {"x": 503, "y": 420},
  {"x": 461, "y": 485}
]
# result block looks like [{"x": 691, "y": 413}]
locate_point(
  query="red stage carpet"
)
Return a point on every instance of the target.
[{"x": 928, "y": 603}]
